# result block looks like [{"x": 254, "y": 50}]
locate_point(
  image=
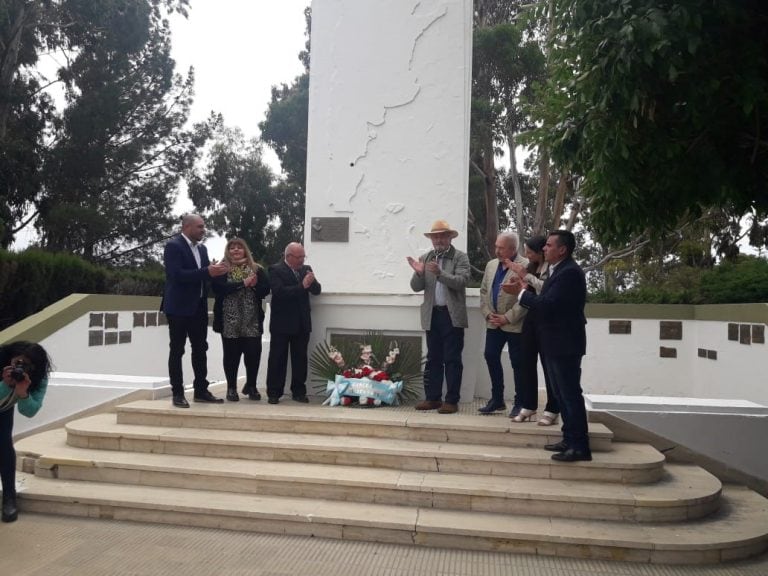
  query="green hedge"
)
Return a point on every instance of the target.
[
  {"x": 34, "y": 279},
  {"x": 742, "y": 281}
]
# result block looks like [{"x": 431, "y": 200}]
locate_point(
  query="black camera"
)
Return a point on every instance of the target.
[{"x": 18, "y": 372}]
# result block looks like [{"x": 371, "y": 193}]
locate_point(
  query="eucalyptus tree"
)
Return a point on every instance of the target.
[{"x": 507, "y": 62}]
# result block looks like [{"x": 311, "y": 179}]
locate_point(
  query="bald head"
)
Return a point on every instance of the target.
[
  {"x": 193, "y": 227},
  {"x": 294, "y": 255}
]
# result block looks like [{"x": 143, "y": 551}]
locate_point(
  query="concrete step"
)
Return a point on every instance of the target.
[
  {"x": 685, "y": 492},
  {"x": 387, "y": 423},
  {"x": 737, "y": 530},
  {"x": 625, "y": 463}
]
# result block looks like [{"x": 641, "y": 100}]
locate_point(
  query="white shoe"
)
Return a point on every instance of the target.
[
  {"x": 547, "y": 419},
  {"x": 524, "y": 415}
]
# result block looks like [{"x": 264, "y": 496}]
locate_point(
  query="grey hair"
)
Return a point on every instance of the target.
[{"x": 511, "y": 238}]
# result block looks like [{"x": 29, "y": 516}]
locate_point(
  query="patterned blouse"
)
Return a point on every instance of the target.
[{"x": 240, "y": 313}]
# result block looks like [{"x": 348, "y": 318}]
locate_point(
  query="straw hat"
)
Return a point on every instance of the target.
[{"x": 439, "y": 227}]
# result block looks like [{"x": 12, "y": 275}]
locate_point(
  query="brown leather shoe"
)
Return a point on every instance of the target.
[
  {"x": 447, "y": 408},
  {"x": 429, "y": 405}
]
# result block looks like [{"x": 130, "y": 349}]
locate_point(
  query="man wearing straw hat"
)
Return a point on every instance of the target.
[{"x": 442, "y": 273}]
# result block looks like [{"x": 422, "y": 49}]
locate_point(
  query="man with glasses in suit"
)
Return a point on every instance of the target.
[{"x": 291, "y": 282}]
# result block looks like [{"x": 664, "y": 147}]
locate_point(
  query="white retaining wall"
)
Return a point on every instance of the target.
[{"x": 618, "y": 364}]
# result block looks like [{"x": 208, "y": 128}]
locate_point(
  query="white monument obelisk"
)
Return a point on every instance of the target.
[
  {"x": 389, "y": 105},
  {"x": 388, "y": 154}
]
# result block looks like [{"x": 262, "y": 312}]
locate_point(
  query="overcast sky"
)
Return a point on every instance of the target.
[{"x": 239, "y": 49}]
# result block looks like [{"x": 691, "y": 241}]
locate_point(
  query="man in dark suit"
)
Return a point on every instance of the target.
[
  {"x": 560, "y": 328},
  {"x": 291, "y": 282},
  {"x": 185, "y": 304}
]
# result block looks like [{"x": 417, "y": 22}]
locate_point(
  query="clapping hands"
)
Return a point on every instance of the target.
[
  {"x": 218, "y": 268},
  {"x": 308, "y": 279},
  {"x": 514, "y": 285}
]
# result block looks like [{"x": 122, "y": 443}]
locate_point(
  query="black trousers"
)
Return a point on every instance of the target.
[
  {"x": 7, "y": 453},
  {"x": 565, "y": 373},
  {"x": 250, "y": 350},
  {"x": 277, "y": 365},
  {"x": 529, "y": 396},
  {"x": 196, "y": 329}
]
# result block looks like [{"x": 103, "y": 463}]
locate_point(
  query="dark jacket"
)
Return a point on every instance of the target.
[
  {"x": 184, "y": 281},
  {"x": 290, "y": 309},
  {"x": 560, "y": 320},
  {"x": 222, "y": 288}
]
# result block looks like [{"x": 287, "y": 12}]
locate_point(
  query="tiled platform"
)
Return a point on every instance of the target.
[{"x": 43, "y": 545}]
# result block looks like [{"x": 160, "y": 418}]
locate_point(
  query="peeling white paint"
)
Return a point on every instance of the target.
[{"x": 388, "y": 132}]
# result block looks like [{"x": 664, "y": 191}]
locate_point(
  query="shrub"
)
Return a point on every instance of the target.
[
  {"x": 742, "y": 281},
  {"x": 34, "y": 279}
]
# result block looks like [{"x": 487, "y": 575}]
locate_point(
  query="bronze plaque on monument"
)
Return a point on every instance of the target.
[{"x": 330, "y": 229}]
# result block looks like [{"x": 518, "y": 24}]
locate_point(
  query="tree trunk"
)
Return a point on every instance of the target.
[
  {"x": 516, "y": 186},
  {"x": 8, "y": 66},
  {"x": 543, "y": 195},
  {"x": 562, "y": 188},
  {"x": 491, "y": 201}
]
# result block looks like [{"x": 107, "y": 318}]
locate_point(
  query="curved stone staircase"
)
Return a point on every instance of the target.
[{"x": 464, "y": 481}]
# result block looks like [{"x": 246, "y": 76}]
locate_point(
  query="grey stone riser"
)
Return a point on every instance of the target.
[
  {"x": 495, "y": 430},
  {"x": 685, "y": 494},
  {"x": 736, "y": 531},
  {"x": 627, "y": 463}
]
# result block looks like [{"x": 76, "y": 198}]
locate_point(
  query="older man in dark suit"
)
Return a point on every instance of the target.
[
  {"x": 560, "y": 328},
  {"x": 290, "y": 324},
  {"x": 185, "y": 304}
]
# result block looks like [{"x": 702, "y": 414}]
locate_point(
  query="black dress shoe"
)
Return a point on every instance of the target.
[
  {"x": 492, "y": 406},
  {"x": 515, "y": 411},
  {"x": 254, "y": 394},
  {"x": 232, "y": 396},
  {"x": 208, "y": 397},
  {"x": 10, "y": 512},
  {"x": 180, "y": 402},
  {"x": 557, "y": 446},
  {"x": 246, "y": 390},
  {"x": 573, "y": 455},
  {"x": 301, "y": 398},
  {"x": 273, "y": 400}
]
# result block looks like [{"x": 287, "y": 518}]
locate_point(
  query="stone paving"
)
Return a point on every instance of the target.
[{"x": 41, "y": 545}]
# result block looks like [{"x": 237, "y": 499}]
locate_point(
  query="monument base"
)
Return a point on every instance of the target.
[{"x": 398, "y": 315}]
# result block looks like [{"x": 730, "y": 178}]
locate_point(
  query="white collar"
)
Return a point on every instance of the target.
[{"x": 190, "y": 242}]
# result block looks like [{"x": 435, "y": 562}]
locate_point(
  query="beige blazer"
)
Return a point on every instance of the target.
[{"x": 507, "y": 304}]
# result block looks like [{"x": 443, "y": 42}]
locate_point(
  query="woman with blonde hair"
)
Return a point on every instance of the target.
[{"x": 238, "y": 316}]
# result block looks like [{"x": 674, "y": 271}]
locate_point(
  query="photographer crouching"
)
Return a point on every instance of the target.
[{"x": 25, "y": 380}]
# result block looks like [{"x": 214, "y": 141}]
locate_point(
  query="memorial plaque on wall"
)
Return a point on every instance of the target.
[{"x": 330, "y": 229}]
